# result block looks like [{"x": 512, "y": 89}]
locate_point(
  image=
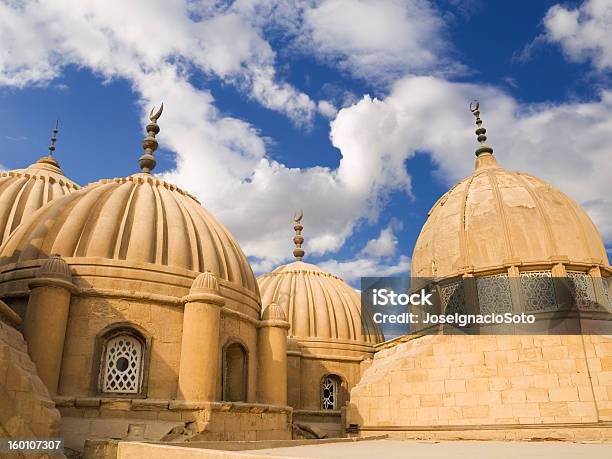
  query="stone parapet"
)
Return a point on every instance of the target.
[{"x": 170, "y": 420}]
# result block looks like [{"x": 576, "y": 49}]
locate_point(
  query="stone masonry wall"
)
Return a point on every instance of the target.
[
  {"x": 26, "y": 409},
  {"x": 170, "y": 420},
  {"x": 486, "y": 380}
]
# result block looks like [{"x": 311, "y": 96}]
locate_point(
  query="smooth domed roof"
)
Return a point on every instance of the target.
[
  {"x": 496, "y": 217},
  {"x": 139, "y": 219},
  {"x": 23, "y": 191},
  {"x": 317, "y": 304}
]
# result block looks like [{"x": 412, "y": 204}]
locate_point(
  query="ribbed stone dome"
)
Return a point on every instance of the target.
[
  {"x": 273, "y": 312},
  {"x": 139, "y": 219},
  {"x": 495, "y": 217},
  {"x": 23, "y": 191},
  {"x": 317, "y": 304}
]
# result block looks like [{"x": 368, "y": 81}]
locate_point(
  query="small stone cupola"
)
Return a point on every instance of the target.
[
  {"x": 272, "y": 356},
  {"x": 46, "y": 318},
  {"x": 199, "y": 368}
]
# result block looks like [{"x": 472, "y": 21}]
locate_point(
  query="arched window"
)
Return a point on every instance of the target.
[
  {"x": 122, "y": 362},
  {"x": 330, "y": 392},
  {"x": 235, "y": 371}
]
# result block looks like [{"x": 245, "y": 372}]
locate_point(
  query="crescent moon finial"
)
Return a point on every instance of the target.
[
  {"x": 480, "y": 130},
  {"x": 147, "y": 161},
  {"x": 298, "y": 239},
  {"x": 155, "y": 117},
  {"x": 297, "y": 218}
]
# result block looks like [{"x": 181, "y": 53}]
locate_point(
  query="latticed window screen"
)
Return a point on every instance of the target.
[
  {"x": 329, "y": 393},
  {"x": 538, "y": 291},
  {"x": 453, "y": 298},
  {"x": 581, "y": 286},
  {"x": 121, "y": 365},
  {"x": 494, "y": 294}
]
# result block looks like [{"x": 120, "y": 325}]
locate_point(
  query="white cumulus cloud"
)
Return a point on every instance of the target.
[
  {"x": 566, "y": 144},
  {"x": 584, "y": 33}
]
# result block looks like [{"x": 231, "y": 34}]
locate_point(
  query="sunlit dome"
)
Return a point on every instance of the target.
[
  {"x": 317, "y": 304},
  {"x": 23, "y": 191},
  {"x": 497, "y": 217},
  {"x": 138, "y": 221}
]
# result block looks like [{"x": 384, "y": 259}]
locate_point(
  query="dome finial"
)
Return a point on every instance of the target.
[
  {"x": 147, "y": 161},
  {"x": 480, "y": 131},
  {"x": 54, "y": 138},
  {"x": 298, "y": 239},
  {"x": 49, "y": 159}
]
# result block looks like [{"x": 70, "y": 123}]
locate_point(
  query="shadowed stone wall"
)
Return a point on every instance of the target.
[{"x": 26, "y": 409}]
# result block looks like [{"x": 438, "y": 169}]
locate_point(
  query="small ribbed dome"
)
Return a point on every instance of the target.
[
  {"x": 317, "y": 304},
  {"x": 23, "y": 191},
  {"x": 139, "y": 219},
  {"x": 205, "y": 281},
  {"x": 273, "y": 312},
  {"x": 55, "y": 266},
  {"x": 497, "y": 216}
]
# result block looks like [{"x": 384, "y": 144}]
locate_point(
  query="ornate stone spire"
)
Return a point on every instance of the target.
[
  {"x": 480, "y": 131},
  {"x": 147, "y": 161},
  {"x": 298, "y": 239},
  {"x": 54, "y": 138},
  {"x": 49, "y": 159}
]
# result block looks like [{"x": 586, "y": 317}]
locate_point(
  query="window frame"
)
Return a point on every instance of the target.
[
  {"x": 338, "y": 395},
  {"x": 98, "y": 362}
]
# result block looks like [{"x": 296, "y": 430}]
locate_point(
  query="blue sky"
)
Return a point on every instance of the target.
[{"x": 265, "y": 108}]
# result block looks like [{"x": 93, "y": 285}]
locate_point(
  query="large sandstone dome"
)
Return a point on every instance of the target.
[
  {"x": 24, "y": 191},
  {"x": 132, "y": 233},
  {"x": 317, "y": 304},
  {"x": 497, "y": 217},
  {"x": 139, "y": 220}
]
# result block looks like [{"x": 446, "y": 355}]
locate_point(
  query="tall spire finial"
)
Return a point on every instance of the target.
[
  {"x": 54, "y": 138},
  {"x": 298, "y": 239},
  {"x": 480, "y": 131},
  {"x": 147, "y": 161}
]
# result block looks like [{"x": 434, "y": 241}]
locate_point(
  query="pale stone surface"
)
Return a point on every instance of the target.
[
  {"x": 26, "y": 190},
  {"x": 394, "y": 449},
  {"x": 326, "y": 329},
  {"x": 171, "y": 420},
  {"x": 389, "y": 449},
  {"x": 26, "y": 409},
  {"x": 496, "y": 216},
  {"x": 529, "y": 394}
]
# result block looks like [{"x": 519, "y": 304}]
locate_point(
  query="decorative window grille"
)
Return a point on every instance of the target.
[
  {"x": 122, "y": 365},
  {"x": 538, "y": 291},
  {"x": 583, "y": 292},
  {"x": 329, "y": 393},
  {"x": 453, "y": 298},
  {"x": 494, "y": 294}
]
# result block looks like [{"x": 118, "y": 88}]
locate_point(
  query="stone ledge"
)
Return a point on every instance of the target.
[
  {"x": 87, "y": 402},
  {"x": 162, "y": 405},
  {"x": 321, "y": 413},
  {"x": 150, "y": 404},
  {"x": 604, "y": 424}
]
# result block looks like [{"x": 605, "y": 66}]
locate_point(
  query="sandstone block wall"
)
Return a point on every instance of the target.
[
  {"x": 170, "y": 420},
  {"x": 26, "y": 409},
  {"x": 487, "y": 380}
]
